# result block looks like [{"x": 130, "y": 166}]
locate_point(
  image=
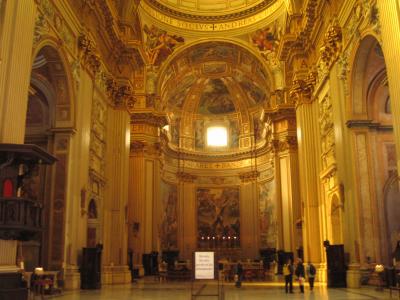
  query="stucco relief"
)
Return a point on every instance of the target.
[{"x": 268, "y": 215}]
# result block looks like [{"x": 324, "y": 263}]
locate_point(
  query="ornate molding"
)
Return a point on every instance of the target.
[
  {"x": 301, "y": 91},
  {"x": 88, "y": 53},
  {"x": 149, "y": 118},
  {"x": 332, "y": 45},
  {"x": 249, "y": 176},
  {"x": 137, "y": 146},
  {"x": 186, "y": 177},
  {"x": 289, "y": 143}
]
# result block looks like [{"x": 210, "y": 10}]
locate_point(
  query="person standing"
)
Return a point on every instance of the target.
[
  {"x": 311, "y": 271},
  {"x": 239, "y": 274},
  {"x": 288, "y": 273},
  {"x": 300, "y": 273}
]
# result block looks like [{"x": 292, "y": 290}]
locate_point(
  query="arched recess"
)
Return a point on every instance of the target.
[
  {"x": 92, "y": 224},
  {"x": 371, "y": 127},
  {"x": 336, "y": 220},
  {"x": 49, "y": 124}
]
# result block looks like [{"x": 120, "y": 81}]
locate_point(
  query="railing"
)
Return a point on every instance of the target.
[{"x": 20, "y": 218}]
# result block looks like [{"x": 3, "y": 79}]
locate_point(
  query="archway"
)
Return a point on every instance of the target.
[
  {"x": 371, "y": 124},
  {"x": 48, "y": 124}
]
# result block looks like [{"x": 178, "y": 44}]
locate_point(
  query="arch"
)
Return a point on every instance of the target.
[
  {"x": 239, "y": 43},
  {"x": 49, "y": 52},
  {"x": 361, "y": 62}
]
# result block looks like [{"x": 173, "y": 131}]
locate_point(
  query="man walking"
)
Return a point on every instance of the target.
[
  {"x": 311, "y": 274},
  {"x": 300, "y": 273},
  {"x": 288, "y": 273}
]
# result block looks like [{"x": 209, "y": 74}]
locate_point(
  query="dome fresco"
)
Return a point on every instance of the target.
[{"x": 214, "y": 78}]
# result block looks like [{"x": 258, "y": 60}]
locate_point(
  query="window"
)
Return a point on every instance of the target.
[{"x": 217, "y": 136}]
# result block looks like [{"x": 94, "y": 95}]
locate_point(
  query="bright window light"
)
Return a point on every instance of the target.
[{"x": 217, "y": 136}]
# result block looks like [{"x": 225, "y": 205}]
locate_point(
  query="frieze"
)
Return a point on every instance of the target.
[
  {"x": 150, "y": 119},
  {"x": 186, "y": 177},
  {"x": 249, "y": 176}
]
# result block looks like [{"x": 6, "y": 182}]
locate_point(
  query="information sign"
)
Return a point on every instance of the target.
[{"x": 204, "y": 265}]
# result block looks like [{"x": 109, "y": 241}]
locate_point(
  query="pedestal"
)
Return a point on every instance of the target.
[
  {"x": 72, "y": 278},
  {"x": 353, "y": 276},
  {"x": 115, "y": 275},
  {"x": 321, "y": 273}
]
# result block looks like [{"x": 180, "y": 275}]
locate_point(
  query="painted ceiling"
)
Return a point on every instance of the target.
[{"x": 214, "y": 78}]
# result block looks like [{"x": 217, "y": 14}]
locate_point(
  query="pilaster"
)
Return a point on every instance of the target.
[
  {"x": 390, "y": 32},
  {"x": 307, "y": 133},
  {"x": 16, "y": 40}
]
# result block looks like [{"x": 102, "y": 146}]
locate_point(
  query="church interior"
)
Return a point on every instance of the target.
[{"x": 134, "y": 133}]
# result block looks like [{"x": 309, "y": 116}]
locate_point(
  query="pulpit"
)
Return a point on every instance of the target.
[{"x": 20, "y": 210}]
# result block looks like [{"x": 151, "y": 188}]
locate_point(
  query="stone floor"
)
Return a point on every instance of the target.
[{"x": 249, "y": 291}]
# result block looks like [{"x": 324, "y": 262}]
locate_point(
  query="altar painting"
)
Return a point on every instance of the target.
[
  {"x": 218, "y": 212},
  {"x": 168, "y": 228},
  {"x": 268, "y": 215}
]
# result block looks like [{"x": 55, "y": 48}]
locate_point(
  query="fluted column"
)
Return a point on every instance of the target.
[
  {"x": 389, "y": 17},
  {"x": 16, "y": 41},
  {"x": 116, "y": 195},
  {"x": 307, "y": 133}
]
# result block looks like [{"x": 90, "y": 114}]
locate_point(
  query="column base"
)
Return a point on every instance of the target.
[
  {"x": 115, "y": 275},
  {"x": 72, "y": 278},
  {"x": 353, "y": 276},
  {"x": 322, "y": 272}
]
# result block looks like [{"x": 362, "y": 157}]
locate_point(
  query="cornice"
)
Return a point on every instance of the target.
[
  {"x": 150, "y": 119},
  {"x": 249, "y": 176},
  {"x": 209, "y": 18},
  {"x": 209, "y": 157},
  {"x": 367, "y": 124}
]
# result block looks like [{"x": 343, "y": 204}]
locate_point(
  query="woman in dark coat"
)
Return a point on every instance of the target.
[{"x": 300, "y": 273}]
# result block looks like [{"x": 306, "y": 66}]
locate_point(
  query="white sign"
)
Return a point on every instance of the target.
[{"x": 204, "y": 265}]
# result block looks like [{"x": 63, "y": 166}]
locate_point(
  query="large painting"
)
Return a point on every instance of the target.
[
  {"x": 216, "y": 98},
  {"x": 218, "y": 212},
  {"x": 169, "y": 225},
  {"x": 268, "y": 217}
]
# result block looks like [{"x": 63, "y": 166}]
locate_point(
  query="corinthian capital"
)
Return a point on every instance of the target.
[{"x": 302, "y": 90}]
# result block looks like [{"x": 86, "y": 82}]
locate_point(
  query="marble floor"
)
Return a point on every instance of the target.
[{"x": 249, "y": 291}]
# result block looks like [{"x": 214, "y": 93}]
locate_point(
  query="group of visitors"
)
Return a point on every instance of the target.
[
  {"x": 300, "y": 271},
  {"x": 288, "y": 271}
]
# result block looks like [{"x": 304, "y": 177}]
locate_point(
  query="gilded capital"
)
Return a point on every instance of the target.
[{"x": 302, "y": 90}]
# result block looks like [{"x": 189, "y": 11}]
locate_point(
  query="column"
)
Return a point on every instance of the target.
[
  {"x": 307, "y": 135},
  {"x": 115, "y": 268},
  {"x": 16, "y": 41},
  {"x": 389, "y": 17}
]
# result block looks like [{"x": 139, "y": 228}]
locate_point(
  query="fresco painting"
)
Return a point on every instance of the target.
[
  {"x": 266, "y": 39},
  {"x": 218, "y": 212},
  {"x": 258, "y": 128},
  {"x": 175, "y": 132},
  {"x": 250, "y": 88},
  {"x": 199, "y": 134},
  {"x": 216, "y": 98},
  {"x": 168, "y": 230},
  {"x": 234, "y": 133},
  {"x": 179, "y": 94},
  {"x": 159, "y": 44},
  {"x": 213, "y": 51},
  {"x": 268, "y": 215}
]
